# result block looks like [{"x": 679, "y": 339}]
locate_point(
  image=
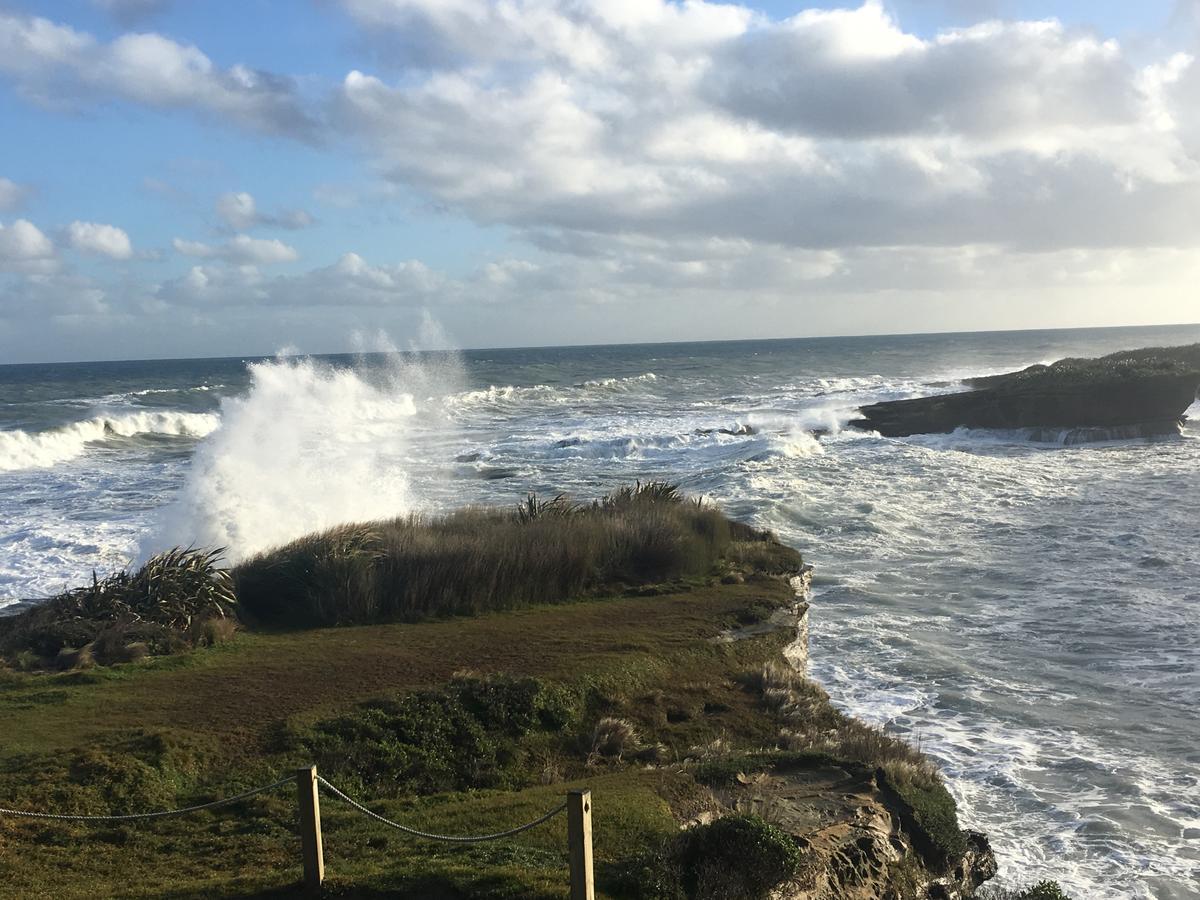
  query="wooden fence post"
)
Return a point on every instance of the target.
[
  {"x": 579, "y": 843},
  {"x": 310, "y": 829}
]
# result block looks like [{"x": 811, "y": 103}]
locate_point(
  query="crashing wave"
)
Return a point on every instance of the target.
[
  {"x": 40, "y": 449},
  {"x": 308, "y": 446}
]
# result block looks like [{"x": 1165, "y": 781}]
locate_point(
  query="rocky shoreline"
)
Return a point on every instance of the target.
[
  {"x": 863, "y": 839},
  {"x": 1131, "y": 394}
]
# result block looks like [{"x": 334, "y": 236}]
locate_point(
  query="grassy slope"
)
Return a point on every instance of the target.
[{"x": 208, "y": 719}]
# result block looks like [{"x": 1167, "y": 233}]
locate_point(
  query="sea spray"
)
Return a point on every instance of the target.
[{"x": 307, "y": 447}]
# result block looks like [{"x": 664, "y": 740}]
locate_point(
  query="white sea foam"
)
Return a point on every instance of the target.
[
  {"x": 630, "y": 381},
  {"x": 309, "y": 446},
  {"x": 799, "y": 444},
  {"x": 39, "y": 449},
  {"x": 494, "y": 395},
  {"x": 500, "y": 395}
]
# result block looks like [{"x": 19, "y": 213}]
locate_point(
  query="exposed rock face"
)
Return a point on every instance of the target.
[
  {"x": 859, "y": 837},
  {"x": 1130, "y": 394},
  {"x": 855, "y": 843}
]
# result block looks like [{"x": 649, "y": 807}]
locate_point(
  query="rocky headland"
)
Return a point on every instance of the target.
[
  {"x": 1133, "y": 393},
  {"x": 435, "y": 667}
]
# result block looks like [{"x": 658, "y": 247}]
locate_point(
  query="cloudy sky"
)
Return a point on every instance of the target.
[{"x": 202, "y": 178}]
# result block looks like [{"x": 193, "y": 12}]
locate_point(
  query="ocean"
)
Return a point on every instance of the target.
[{"x": 1028, "y": 613}]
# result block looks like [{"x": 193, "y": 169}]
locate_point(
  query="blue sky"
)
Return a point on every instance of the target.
[{"x": 545, "y": 172}]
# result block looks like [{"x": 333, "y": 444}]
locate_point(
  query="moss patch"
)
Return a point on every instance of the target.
[{"x": 929, "y": 815}]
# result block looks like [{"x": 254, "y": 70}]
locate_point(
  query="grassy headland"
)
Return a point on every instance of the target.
[{"x": 434, "y": 667}]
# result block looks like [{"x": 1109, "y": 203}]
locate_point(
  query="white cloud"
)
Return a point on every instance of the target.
[
  {"x": 349, "y": 282},
  {"x": 857, "y": 74},
  {"x": 240, "y": 249},
  {"x": 12, "y": 195},
  {"x": 703, "y": 166},
  {"x": 100, "y": 240},
  {"x": 24, "y": 248},
  {"x": 61, "y": 296},
  {"x": 240, "y": 211},
  {"x": 59, "y": 65},
  {"x": 832, "y": 129}
]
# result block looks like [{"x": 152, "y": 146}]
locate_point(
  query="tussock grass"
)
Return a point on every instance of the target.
[
  {"x": 468, "y": 562},
  {"x": 478, "y": 560},
  {"x": 175, "y": 600}
]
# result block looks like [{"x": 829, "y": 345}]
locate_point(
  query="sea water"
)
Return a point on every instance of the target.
[{"x": 1028, "y": 613}]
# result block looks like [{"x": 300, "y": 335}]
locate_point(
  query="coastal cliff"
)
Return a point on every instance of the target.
[
  {"x": 672, "y": 685},
  {"x": 1141, "y": 393},
  {"x": 863, "y": 838}
]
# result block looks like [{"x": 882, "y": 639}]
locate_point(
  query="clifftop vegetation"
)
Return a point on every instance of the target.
[
  {"x": 431, "y": 665},
  {"x": 1124, "y": 364},
  {"x": 463, "y": 563}
]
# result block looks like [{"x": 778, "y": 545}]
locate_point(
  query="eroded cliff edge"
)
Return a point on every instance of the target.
[
  {"x": 460, "y": 673},
  {"x": 885, "y": 832}
]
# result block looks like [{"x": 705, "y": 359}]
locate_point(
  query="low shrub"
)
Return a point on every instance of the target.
[
  {"x": 764, "y": 554},
  {"x": 737, "y": 857},
  {"x": 143, "y": 772},
  {"x": 929, "y": 814},
  {"x": 461, "y": 736}
]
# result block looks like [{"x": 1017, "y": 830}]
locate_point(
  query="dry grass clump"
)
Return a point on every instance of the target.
[
  {"x": 813, "y": 725},
  {"x": 478, "y": 560},
  {"x": 617, "y": 740},
  {"x": 613, "y": 738}
]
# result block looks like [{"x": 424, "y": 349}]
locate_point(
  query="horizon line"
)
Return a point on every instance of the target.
[{"x": 822, "y": 337}]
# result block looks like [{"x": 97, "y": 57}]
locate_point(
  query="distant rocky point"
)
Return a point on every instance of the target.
[{"x": 1133, "y": 393}]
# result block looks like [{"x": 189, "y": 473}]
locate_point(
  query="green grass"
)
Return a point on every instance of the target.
[{"x": 176, "y": 730}]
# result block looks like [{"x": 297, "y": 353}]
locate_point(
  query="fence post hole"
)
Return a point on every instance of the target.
[
  {"x": 579, "y": 842},
  {"x": 310, "y": 829}
]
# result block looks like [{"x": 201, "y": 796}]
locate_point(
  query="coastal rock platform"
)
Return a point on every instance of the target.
[{"x": 1142, "y": 393}]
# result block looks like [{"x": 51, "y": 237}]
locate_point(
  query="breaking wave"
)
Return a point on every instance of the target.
[
  {"x": 39, "y": 449},
  {"x": 495, "y": 395}
]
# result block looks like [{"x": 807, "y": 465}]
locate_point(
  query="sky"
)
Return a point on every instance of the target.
[{"x": 218, "y": 178}]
